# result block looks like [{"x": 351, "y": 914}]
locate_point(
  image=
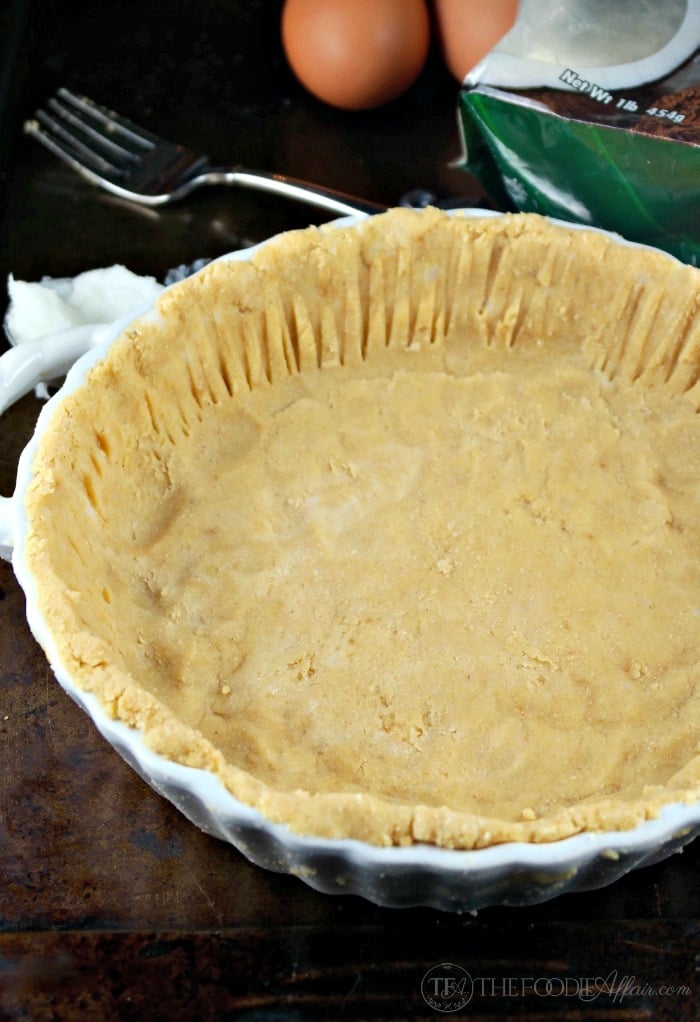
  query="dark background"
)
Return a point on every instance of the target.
[
  {"x": 212, "y": 76},
  {"x": 111, "y": 904}
]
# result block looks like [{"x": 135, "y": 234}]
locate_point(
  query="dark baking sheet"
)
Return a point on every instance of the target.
[{"x": 111, "y": 904}]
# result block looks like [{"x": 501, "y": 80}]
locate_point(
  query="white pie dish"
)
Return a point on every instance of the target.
[{"x": 512, "y": 873}]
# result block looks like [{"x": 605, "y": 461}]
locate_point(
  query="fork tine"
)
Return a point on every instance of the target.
[
  {"x": 111, "y": 122},
  {"x": 69, "y": 146},
  {"x": 90, "y": 138},
  {"x": 107, "y": 145},
  {"x": 63, "y": 145}
]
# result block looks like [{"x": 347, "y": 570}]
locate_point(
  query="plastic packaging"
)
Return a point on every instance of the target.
[{"x": 593, "y": 116}]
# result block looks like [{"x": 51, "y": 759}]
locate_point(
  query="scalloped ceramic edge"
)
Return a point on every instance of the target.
[{"x": 514, "y": 873}]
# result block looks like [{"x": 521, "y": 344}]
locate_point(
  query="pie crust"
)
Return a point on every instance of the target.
[{"x": 394, "y": 528}]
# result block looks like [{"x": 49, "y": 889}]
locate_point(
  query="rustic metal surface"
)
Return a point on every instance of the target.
[{"x": 111, "y": 905}]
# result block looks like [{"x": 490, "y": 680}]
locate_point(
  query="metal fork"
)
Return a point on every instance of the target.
[{"x": 135, "y": 164}]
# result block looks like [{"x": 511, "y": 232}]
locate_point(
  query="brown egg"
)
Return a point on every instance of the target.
[
  {"x": 468, "y": 29},
  {"x": 356, "y": 54}
]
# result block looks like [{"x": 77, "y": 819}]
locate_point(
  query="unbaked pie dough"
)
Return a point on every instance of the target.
[{"x": 395, "y": 529}]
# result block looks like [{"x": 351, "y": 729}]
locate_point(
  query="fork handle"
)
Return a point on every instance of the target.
[{"x": 291, "y": 188}]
